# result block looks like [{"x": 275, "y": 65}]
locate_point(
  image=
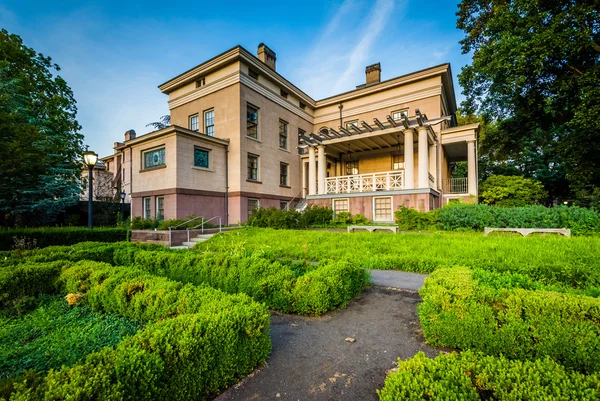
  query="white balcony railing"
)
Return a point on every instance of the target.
[{"x": 386, "y": 181}]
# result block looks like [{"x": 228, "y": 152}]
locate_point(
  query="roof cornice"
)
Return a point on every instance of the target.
[{"x": 170, "y": 130}]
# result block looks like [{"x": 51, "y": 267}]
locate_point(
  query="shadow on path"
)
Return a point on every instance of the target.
[{"x": 312, "y": 361}]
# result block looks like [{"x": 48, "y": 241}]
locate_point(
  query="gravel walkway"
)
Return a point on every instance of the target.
[{"x": 311, "y": 359}]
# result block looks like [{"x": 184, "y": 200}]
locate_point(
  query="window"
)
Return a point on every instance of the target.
[
  {"x": 302, "y": 106},
  {"x": 283, "y": 93},
  {"x": 252, "y": 121},
  {"x": 340, "y": 205},
  {"x": 283, "y": 205},
  {"x": 352, "y": 167},
  {"x": 283, "y": 174},
  {"x": 209, "y": 122},
  {"x": 253, "y": 204},
  {"x": 397, "y": 115},
  {"x": 349, "y": 124},
  {"x": 194, "y": 122},
  {"x": 253, "y": 74},
  {"x": 382, "y": 209},
  {"x": 283, "y": 135},
  {"x": 160, "y": 208},
  {"x": 201, "y": 158},
  {"x": 146, "y": 208},
  {"x": 154, "y": 158},
  {"x": 200, "y": 82},
  {"x": 396, "y": 163},
  {"x": 252, "y": 167}
]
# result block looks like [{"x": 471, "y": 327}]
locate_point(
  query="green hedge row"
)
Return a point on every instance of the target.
[
  {"x": 460, "y": 312},
  {"x": 471, "y": 376},
  {"x": 196, "y": 341},
  {"x": 26, "y": 238},
  {"x": 580, "y": 220},
  {"x": 286, "y": 287}
]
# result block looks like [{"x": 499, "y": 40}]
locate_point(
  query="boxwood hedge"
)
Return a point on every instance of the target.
[
  {"x": 195, "y": 341},
  {"x": 472, "y": 376},
  {"x": 460, "y": 312},
  {"x": 48, "y": 236}
]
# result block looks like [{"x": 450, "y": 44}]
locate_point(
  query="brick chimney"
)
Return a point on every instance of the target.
[
  {"x": 373, "y": 73},
  {"x": 129, "y": 135},
  {"x": 267, "y": 56}
]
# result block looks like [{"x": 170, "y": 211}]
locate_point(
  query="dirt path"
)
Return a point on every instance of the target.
[{"x": 312, "y": 361}]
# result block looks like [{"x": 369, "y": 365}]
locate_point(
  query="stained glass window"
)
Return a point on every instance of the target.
[
  {"x": 201, "y": 158},
  {"x": 154, "y": 158}
]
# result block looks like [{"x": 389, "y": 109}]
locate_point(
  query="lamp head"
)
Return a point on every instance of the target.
[
  {"x": 123, "y": 194},
  {"x": 90, "y": 158}
]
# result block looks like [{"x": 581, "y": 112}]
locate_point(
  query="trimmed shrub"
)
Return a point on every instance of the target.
[
  {"x": 315, "y": 215},
  {"x": 275, "y": 218},
  {"x": 459, "y": 312},
  {"x": 196, "y": 341},
  {"x": 412, "y": 219},
  {"x": 44, "y": 237},
  {"x": 470, "y": 376},
  {"x": 580, "y": 220}
]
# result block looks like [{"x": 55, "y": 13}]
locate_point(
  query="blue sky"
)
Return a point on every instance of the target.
[{"x": 114, "y": 54}]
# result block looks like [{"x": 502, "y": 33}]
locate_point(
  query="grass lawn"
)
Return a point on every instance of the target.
[
  {"x": 555, "y": 260},
  {"x": 55, "y": 334}
]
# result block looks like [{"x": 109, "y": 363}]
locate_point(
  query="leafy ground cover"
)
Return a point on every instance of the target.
[
  {"x": 56, "y": 334},
  {"x": 574, "y": 262}
]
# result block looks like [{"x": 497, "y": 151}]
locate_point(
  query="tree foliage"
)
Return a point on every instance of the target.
[
  {"x": 40, "y": 156},
  {"x": 535, "y": 71},
  {"x": 163, "y": 122},
  {"x": 513, "y": 190}
]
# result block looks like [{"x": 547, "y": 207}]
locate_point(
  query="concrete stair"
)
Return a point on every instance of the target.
[{"x": 197, "y": 239}]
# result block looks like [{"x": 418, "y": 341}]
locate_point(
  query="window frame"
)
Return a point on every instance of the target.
[
  {"x": 284, "y": 179},
  {"x": 391, "y": 214},
  {"x": 283, "y": 93},
  {"x": 155, "y": 149},
  {"x": 256, "y": 168},
  {"x": 251, "y": 211},
  {"x": 160, "y": 216},
  {"x": 200, "y": 82},
  {"x": 400, "y": 111},
  {"x": 399, "y": 163},
  {"x": 352, "y": 162},
  {"x": 284, "y": 134},
  {"x": 209, "y": 151},
  {"x": 253, "y": 74},
  {"x": 249, "y": 106},
  {"x": 284, "y": 204},
  {"x": 149, "y": 209},
  {"x": 206, "y": 125},
  {"x": 191, "y": 124},
  {"x": 348, "y": 123},
  {"x": 336, "y": 211}
]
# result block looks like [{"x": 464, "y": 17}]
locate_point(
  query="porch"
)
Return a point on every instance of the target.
[{"x": 356, "y": 160}]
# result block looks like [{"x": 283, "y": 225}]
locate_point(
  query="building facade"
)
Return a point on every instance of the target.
[{"x": 244, "y": 137}]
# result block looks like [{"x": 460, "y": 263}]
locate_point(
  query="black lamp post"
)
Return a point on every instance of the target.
[
  {"x": 123, "y": 194},
  {"x": 90, "y": 159}
]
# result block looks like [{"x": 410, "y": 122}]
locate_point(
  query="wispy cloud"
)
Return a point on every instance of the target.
[{"x": 337, "y": 58}]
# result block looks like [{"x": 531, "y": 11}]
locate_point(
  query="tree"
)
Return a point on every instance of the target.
[
  {"x": 40, "y": 156},
  {"x": 504, "y": 190},
  {"x": 162, "y": 122},
  {"x": 535, "y": 72}
]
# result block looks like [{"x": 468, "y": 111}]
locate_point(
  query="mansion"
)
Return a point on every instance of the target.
[{"x": 242, "y": 137}]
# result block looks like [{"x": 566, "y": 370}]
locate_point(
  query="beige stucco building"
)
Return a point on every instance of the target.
[{"x": 243, "y": 136}]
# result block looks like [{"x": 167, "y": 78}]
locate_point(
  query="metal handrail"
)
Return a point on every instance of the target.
[
  {"x": 188, "y": 229},
  {"x": 287, "y": 207}
]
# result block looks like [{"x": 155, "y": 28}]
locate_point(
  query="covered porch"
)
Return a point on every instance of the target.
[{"x": 394, "y": 157}]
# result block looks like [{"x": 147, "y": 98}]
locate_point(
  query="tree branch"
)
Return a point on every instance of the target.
[{"x": 577, "y": 70}]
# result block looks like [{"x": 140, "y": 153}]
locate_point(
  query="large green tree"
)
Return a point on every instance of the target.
[
  {"x": 536, "y": 73},
  {"x": 40, "y": 147}
]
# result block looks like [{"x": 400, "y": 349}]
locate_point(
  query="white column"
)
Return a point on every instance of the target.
[
  {"x": 303, "y": 186},
  {"x": 433, "y": 163},
  {"x": 409, "y": 159},
  {"x": 322, "y": 167},
  {"x": 471, "y": 168},
  {"x": 423, "y": 173},
  {"x": 312, "y": 171}
]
